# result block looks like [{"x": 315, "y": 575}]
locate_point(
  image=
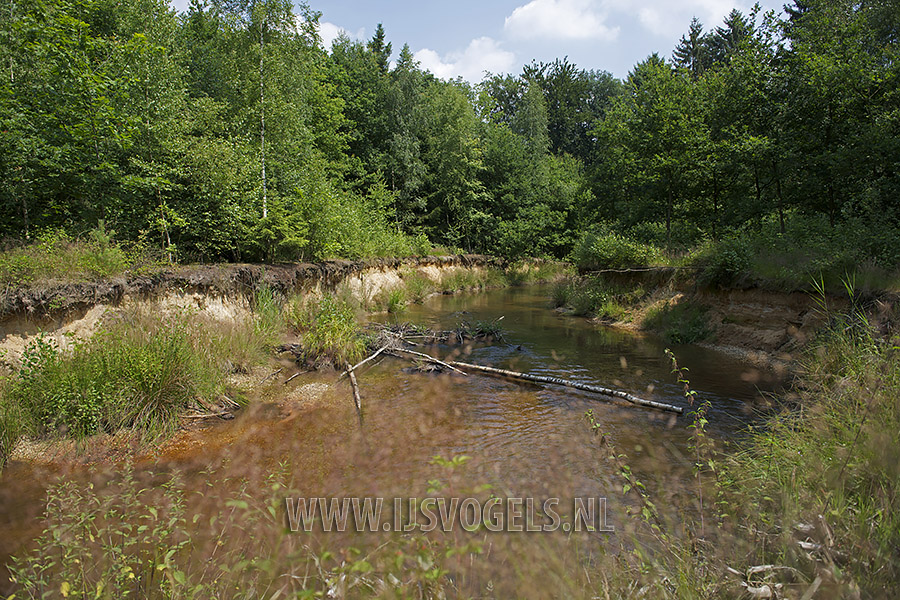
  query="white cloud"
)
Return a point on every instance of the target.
[
  {"x": 482, "y": 54},
  {"x": 331, "y": 32},
  {"x": 666, "y": 18},
  {"x": 560, "y": 20}
]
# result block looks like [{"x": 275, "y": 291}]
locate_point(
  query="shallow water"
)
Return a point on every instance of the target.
[{"x": 524, "y": 440}]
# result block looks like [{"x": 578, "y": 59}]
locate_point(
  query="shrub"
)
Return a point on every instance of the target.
[
  {"x": 725, "y": 264},
  {"x": 612, "y": 251}
]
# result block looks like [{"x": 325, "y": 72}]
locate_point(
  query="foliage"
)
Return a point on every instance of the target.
[
  {"x": 127, "y": 538},
  {"x": 596, "y": 251},
  {"x": 56, "y": 255},
  {"x": 230, "y": 133},
  {"x": 833, "y": 463},
  {"x": 595, "y": 296},
  {"x": 134, "y": 375}
]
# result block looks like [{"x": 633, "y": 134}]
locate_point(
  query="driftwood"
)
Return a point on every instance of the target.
[
  {"x": 294, "y": 376},
  {"x": 430, "y": 359},
  {"x": 270, "y": 376},
  {"x": 572, "y": 384}
]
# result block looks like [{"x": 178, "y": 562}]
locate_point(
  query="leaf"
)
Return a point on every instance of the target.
[{"x": 64, "y": 588}]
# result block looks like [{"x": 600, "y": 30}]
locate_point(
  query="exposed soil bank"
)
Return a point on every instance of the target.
[
  {"x": 66, "y": 310},
  {"x": 760, "y": 326}
]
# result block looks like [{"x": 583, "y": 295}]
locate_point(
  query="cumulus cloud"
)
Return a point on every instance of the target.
[
  {"x": 665, "y": 18},
  {"x": 331, "y": 32},
  {"x": 560, "y": 20},
  {"x": 482, "y": 54}
]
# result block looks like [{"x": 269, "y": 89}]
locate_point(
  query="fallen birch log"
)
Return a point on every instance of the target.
[
  {"x": 362, "y": 362},
  {"x": 572, "y": 384},
  {"x": 430, "y": 359}
]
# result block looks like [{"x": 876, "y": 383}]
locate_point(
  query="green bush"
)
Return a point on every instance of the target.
[
  {"x": 595, "y": 251},
  {"x": 725, "y": 264}
]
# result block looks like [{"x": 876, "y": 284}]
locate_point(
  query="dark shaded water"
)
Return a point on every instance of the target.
[{"x": 524, "y": 440}]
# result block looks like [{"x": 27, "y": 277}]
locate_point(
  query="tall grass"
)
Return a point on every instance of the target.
[
  {"x": 832, "y": 462},
  {"x": 329, "y": 330},
  {"x": 596, "y": 297},
  {"x": 133, "y": 373}
]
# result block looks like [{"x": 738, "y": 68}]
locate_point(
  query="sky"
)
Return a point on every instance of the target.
[{"x": 465, "y": 38}]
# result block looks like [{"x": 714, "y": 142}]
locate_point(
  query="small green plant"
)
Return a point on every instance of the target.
[{"x": 393, "y": 300}]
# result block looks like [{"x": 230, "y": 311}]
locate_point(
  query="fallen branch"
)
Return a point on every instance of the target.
[
  {"x": 357, "y": 400},
  {"x": 362, "y": 362},
  {"x": 221, "y": 415},
  {"x": 572, "y": 384},
  {"x": 294, "y": 376},
  {"x": 430, "y": 359}
]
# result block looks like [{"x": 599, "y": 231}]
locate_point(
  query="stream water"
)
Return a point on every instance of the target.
[{"x": 524, "y": 440}]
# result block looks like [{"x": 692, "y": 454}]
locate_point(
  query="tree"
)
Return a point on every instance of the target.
[{"x": 693, "y": 51}]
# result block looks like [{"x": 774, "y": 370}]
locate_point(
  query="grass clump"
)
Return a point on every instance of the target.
[
  {"x": 535, "y": 271},
  {"x": 418, "y": 285},
  {"x": 473, "y": 280},
  {"x": 681, "y": 323},
  {"x": 595, "y": 297},
  {"x": 329, "y": 330},
  {"x": 139, "y": 375}
]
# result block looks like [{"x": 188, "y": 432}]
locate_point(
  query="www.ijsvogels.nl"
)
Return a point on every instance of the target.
[{"x": 446, "y": 514}]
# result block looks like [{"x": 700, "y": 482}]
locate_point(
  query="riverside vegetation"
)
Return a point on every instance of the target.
[
  {"x": 763, "y": 153},
  {"x": 142, "y": 371},
  {"x": 804, "y": 503}
]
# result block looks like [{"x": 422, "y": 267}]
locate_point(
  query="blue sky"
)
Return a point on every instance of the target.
[{"x": 467, "y": 37}]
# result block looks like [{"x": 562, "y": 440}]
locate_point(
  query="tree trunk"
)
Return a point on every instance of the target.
[{"x": 262, "y": 122}]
